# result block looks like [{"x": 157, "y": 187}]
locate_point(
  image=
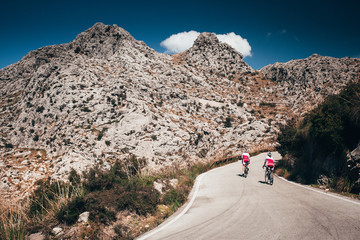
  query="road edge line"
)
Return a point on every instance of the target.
[
  {"x": 318, "y": 191},
  {"x": 156, "y": 230}
]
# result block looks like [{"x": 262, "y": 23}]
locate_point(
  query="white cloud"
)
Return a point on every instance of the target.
[
  {"x": 180, "y": 42},
  {"x": 236, "y": 41}
]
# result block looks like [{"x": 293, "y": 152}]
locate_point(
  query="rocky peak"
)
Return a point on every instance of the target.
[
  {"x": 104, "y": 41},
  {"x": 208, "y": 52},
  {"x": 315, "y": 55},
  {"x": 206, "y": 39},
  {"x": 100, "y": 32}
]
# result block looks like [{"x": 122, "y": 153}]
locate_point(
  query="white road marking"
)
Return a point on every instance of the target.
[{"x": 156, "y": 230}]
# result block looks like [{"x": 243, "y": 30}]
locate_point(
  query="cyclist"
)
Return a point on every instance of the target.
[
  {"x": 269, "y": 162},
  {"x": 245, "y": 159}
]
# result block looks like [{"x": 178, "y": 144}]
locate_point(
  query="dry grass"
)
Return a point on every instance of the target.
[
  {"x": 13, "y": 219},
  {"x": 264, "y": 147}
]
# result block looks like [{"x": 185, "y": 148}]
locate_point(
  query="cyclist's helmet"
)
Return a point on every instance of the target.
[
  {"x": 246, "y": 150},
  {"x": 269, "y": 154}
]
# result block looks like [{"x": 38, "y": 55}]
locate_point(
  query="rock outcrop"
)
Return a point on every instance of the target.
[
  {"x": 353, "y": 160},
  {"x": 306, "y": 82}
]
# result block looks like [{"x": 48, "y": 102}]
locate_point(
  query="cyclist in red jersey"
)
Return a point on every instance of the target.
[
  {"x": 245, "y": 159},
  {"x": 269, "y": 162}
]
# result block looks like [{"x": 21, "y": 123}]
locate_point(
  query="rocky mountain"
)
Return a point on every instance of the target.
[
  {"x": 105, "y": 96},
  {"x": 306, "y": 82}
]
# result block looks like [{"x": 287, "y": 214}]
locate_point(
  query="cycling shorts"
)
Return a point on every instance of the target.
[{"x": 271, "y": 168}]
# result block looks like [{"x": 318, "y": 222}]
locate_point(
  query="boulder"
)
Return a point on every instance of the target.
[
  {"x": 36, "y": 236},
  {"x": 84, "y": 217},
  {"x": 353, "y": 161}
]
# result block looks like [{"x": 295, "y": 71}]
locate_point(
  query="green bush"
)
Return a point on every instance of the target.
[
  {"x": 139, "y": 198},
  {"x": 74, "y": 177},
  {"x": 174, "y": 198},
  {"x": 70, "y": 212},
  {"x": 97, "y": 205},
  {"x": 227, "y": 123},
  {"x": 320, "y": 141},
  {"x": 96, "y": 179}
]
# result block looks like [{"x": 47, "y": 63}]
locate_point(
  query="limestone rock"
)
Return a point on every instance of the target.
[
  {"x": 84, "y": 217},
  {"x": 353, "y": 161},
  {"x": 308, "y": 81},
  {"x": 159, "y": 186},
  {"x": 57, "y": 230},
  {"x": 36, "y": 236}
]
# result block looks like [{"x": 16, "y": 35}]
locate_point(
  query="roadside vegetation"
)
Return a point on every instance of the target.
[
  {"x": 315, "y": 148},
  {"x": 121, "y": 200}
]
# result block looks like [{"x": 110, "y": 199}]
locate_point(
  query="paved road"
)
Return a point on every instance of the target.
[{"x": 225, "y": 205}]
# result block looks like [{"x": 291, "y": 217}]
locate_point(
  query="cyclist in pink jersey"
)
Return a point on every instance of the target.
[
  {"x": 245, "y": 159},
  {"x": 269, "y": 162}
]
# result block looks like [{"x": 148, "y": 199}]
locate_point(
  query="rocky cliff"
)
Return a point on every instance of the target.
[
  {"x": 306, "y": 82},
  {"x": 106, "y": 95}
]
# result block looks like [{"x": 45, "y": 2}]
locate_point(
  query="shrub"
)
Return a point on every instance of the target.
[
  {"x": 36, "y": 138},
  {"x": 174, "y": 198},
  {"x": 97, "y": 208},
  {"x": 101, "y": 134},
  {"x": 268, "y": 104},
  {"x": 8, "y": 145},
  {"x": 227, "y": 122},
  {"x": 50, "y": 197},
  {"x": 320, "y": 141},
  {"x": 70, "y": 212},
  {"x": 240, "y": 104},
  {"x": 96, "y": 179},
  {"x": 40, "y": 109},
  {"x": 139, "y": 198},
  {"x": 122, "y": 231},
  {"x": 85, "y": 109},
  {"x": 74, "y": 177}
]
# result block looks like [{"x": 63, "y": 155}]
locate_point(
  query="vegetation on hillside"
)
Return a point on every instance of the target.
[
  {"x": 109, "y": 195},
  {"x": 319, "y": 143}
]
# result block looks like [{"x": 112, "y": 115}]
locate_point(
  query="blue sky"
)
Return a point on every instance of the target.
[{"x": 277, "y": 31}]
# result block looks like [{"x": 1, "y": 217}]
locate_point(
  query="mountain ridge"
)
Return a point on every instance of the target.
[{"x": 105, "y": 96}]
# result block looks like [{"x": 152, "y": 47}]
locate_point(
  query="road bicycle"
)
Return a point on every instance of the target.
[
  {"x": 246, "y": 171},
  {"x": 269, "y": 178}
]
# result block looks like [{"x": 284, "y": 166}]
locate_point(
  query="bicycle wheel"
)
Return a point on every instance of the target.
[
  {"x": 266, "y": 176},
  {"x": 271, "y": 179}
]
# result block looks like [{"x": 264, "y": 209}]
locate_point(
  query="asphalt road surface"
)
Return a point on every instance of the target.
[{"x": 225, "y": 205}]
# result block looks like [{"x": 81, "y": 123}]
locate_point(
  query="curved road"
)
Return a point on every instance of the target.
[{"x": 224, "y": 205}]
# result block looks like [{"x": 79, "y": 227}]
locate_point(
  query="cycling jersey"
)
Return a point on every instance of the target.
[
  {"x": 269, "y": 162},
  {"x": 246, "y": 157}
]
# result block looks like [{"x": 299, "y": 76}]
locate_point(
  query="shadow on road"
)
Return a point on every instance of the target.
[
  {"x": 240, "y": 175},
  {"x": 263, "y": 182}
]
